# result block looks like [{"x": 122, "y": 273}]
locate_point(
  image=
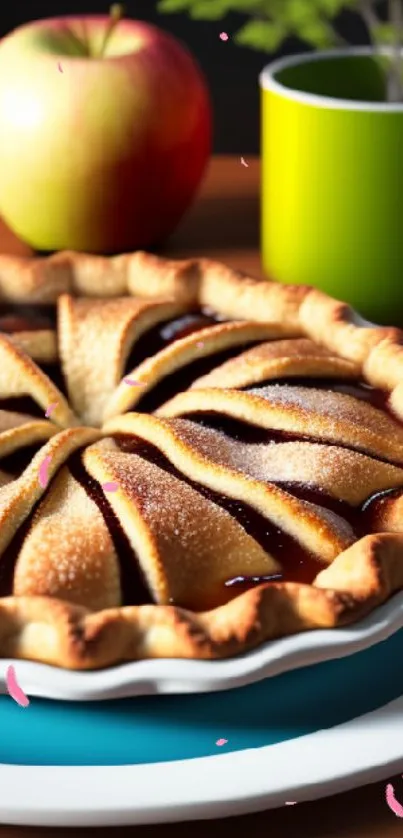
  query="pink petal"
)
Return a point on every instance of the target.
[
  {"x": 50, "y": 409},
  {"x": 43, "y": 472},
  {"x": 14, "y": 690},
  {"x": 132, "y": 383},
  {"x": 110, "y": 487},
  {"x": 393, "y": 804}
]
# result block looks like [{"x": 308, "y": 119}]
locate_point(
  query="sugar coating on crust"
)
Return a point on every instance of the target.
[{"x": 183, "y": 537}]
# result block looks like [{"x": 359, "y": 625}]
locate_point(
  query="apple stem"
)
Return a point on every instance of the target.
[{"x": 116, "y": 13}]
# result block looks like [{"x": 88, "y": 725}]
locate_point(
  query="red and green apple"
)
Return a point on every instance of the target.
[{"x": 105, "y": 129}]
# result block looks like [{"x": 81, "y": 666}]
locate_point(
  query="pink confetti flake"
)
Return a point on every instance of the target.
[
  {"x": 221, "y": 742},
  {"x": 14, "y": 690},
  {"x": 200, "y": 344},
  {"x": 132, "y": 383},
  {"x": 43, "y": 472},
  {"x": 223, "y": 36},
  {"x": 290, "y": 802},
  {"x": 393, "y": 804},
  {"x": 50, "y": 409},
  {"x": 110, "y": 487},
  {"x": 244, "y": 163},
  {"x": 59, "y": 67}
]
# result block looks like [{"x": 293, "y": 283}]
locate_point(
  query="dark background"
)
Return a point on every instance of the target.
[{"x": 232, "y": 71}]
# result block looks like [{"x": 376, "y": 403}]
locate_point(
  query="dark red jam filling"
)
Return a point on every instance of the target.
[
  {"x": 182, "y": 378},
  {"x": 375, "y": 506},
  {"x": 234, "y": 428},
  {"x": 25, "y": 404},
  {"x": 55, "y": 373},
  {"x": 314, "y": 495},
  {"x": 299, "y": 566},
  {"x": 30, "y": 318},
  {"x": 361, "y": 518},
  {"x": 9, "y": 557},
  {"x": 134, "y": 587},
  {"x": 16, "y": 462},
  {"x": 22, "y": 404},
  {"x": 163, "y": 334},
  {"x": 24, "y": 318},
  {"x": 240, "y": 584},
  {"x": 133, "y": 584}
]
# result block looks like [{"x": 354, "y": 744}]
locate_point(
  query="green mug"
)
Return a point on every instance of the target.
[{"x": 332, "y": 180}]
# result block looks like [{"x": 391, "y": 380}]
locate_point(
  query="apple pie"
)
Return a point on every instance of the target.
[{"x": 192, "y": 462}]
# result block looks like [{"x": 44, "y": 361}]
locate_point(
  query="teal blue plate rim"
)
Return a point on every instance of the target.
[
  {"x": 168, "y": 728},
  {"x": 365, "y": 750}
]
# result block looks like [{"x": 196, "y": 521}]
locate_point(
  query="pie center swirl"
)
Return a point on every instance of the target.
[{"x": 266, "y": 450}]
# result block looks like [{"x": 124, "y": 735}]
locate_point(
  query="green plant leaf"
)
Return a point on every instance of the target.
[
  {"x": 331, "y": 8},
  {"x": 384, "y": 33},
  {"x": 209, "y": 9},
  {"x": 297, "y": 12},
  {"x": 272, "y": 21},
  {"x": 246, "y": 7},
  {"x": 171, "y": 6},
  {"x": 261, "y": 35},
  {"x": 273, "y": 8},
  {"x": 318, "y": 34}
]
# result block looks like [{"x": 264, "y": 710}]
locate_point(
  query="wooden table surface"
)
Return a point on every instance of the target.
[{"x": 223, "y": 224}]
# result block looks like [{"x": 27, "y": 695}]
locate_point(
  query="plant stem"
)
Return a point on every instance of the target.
[
  {"x": 370, "y": 17},
  {"x": 338, "y": 39},
  {"x": 116, "y": 13},
  {"x": 395, "y": 80}
]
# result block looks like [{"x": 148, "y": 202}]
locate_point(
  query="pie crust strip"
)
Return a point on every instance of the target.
[{"x": 55, "y": 632}]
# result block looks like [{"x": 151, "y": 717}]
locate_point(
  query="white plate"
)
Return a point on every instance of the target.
[
  {"x": 362, "y": 751},
  {"x": 182, "y": 676}
]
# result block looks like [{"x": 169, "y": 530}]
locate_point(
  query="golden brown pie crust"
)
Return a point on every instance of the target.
[{"x": 66, "y": 605}]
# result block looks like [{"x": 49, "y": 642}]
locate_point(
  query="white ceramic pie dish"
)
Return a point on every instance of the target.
[
  {"x": 163, "y": 676},
  {"x": 152, "y": 677}
]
